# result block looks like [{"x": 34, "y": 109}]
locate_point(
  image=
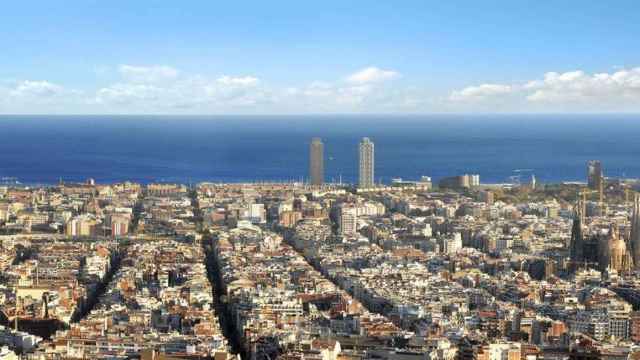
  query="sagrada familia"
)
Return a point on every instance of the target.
[{"x": 605, "y": 251}]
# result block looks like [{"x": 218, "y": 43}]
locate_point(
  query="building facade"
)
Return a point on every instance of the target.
[
  {"x": 595, "y": 176},
  {"x": 348, "y": 221},
  {"x": 316, "y": 162},
  {"x": 366, "y": 178},
  {"x": 634, "y": 241}
]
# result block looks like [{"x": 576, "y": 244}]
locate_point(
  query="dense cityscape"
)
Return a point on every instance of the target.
[{"x": 406, "y": 270}]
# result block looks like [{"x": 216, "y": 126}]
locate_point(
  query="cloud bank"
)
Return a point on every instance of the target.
[
  {"x": 576, "y": 91},
  {"x": 166, "y": 89}
]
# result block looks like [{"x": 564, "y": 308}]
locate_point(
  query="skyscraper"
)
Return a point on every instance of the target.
[
  {"x": 634, "y": 240},
  {"x": 366, "y": 179},
  {"x": 316, "y": 161},
  {"x": 594, "y": 174}
]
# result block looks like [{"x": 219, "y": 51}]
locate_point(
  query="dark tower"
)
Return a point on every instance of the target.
[
  {"x": 316, "y": 162},
  {"x": 45, "y": 305},
  {"x": 577, "y": 237}
]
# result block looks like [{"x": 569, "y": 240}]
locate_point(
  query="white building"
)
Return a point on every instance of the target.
[
  {"x": 453, "y": 244},
  {"x": 348, "y": 221},
  {"x": 474, "y": 180},
  {"x": 370, "y": 209},
  {"x": 6, "y": 354},
  {"x": 257, "y": 214},
  {"x": 504, "y": 351}
]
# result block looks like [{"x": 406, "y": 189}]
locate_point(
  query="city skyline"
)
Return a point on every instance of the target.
[
  {"x": 264, "y": 266},
  {"x": 199, "y": 180}
]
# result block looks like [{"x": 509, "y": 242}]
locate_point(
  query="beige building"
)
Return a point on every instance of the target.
[{"x": 82, "y": 225}]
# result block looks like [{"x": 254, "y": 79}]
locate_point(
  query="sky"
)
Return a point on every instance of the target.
[{"x": 330, "y": 56}]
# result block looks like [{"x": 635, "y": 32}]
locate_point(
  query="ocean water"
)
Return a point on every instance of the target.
[{"x": 44, "y": 149}]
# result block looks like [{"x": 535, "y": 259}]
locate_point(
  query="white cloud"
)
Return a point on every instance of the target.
[
  {"x": 163, "y": 89},
  {"x": 372, "y": 74},
  {"x": 238, "y": 81},
  {"x": 42, "y": 89},
  {"x": 572, "y": 91},
  {"x": 182, "y": 92},
  {"x": 155, "y": 73},
  {"x": 222, "y": 95},
  {"x": 580, "y": 87},
  {"x": 364, "y": 90},
  {"x": 480, "y": 92},
  {"x": 38, "y": 96},
  {"x": 128, "y": 93}
]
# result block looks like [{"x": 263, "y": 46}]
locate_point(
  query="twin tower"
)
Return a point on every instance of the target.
[{"x": 366, "y": 163}]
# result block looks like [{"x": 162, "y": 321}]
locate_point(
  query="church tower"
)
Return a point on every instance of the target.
[{"x": 576, "y": 247}]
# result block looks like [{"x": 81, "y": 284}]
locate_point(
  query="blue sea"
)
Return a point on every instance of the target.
[{"x": 501, "y": 148}]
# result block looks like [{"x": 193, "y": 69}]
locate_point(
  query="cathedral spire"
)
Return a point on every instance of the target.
[{"x": 577, "y": 246}]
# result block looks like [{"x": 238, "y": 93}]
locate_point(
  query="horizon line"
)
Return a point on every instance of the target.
[{"x": 338, "y": 114}]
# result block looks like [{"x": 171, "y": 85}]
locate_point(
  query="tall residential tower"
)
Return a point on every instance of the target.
[
  {"x": 366, "y": 179},
  {"x": 316, "y": 161},
  {"x": 634, "y": 241},
  {"x": 595, "y": 177}
]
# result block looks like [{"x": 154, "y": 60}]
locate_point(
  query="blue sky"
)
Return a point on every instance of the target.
[{"x": 322, "y": 56}]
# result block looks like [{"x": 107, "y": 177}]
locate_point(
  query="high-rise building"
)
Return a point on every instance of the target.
[
  {"x": 348, "y": 220},
  {"x": 474, "y": 180},
  {"x": 634, "y": 241},
  {"x": 366, "y": 178},
  {"x": 316, "y": 161},
  {"x": 595, "y": 177}
]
